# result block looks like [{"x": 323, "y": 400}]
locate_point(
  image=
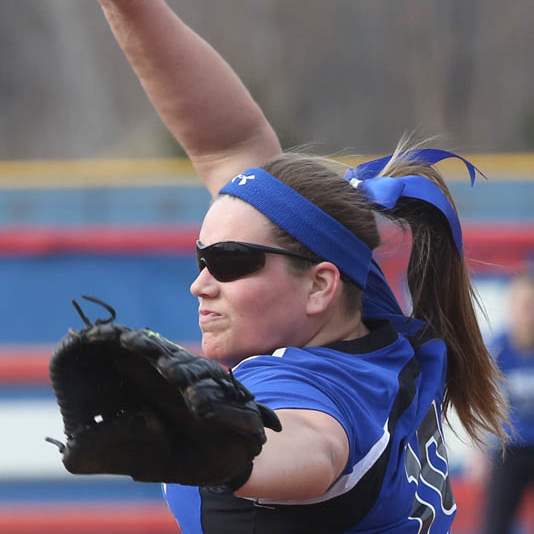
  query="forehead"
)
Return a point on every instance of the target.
[{"x": 231, "y": 219}]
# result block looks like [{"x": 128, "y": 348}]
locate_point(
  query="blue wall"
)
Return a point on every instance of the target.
[
  {"x": 145, "y": 290},
  {"x": 103, "y": 205},
  {"x": 510, "y": 200}
]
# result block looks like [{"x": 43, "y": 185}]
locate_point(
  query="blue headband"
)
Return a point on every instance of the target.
[
  {"x": 304, "y": 221},
  {"x": 385, "y": 191},
  {"x": 328, "y": 238}
]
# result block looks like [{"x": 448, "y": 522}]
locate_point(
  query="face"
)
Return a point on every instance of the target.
[{"x": 259, "y": 312}]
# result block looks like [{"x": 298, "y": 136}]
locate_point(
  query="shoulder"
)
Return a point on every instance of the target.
[
  {"x": 356, "y": 382},
  {"x": 376, "y": 348},
  {"x": 381, "y": 354}
]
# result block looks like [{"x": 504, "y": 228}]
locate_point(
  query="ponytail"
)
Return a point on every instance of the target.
[
  {"x": 443, "y": 297},
  {"x": 441, "y": 292}
]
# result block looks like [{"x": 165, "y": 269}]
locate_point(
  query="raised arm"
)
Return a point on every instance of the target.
[{"x": 198, "y": 96}]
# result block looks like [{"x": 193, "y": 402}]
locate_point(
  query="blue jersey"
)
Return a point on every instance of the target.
[
  {"x": 518, "y": 368},
  {"x": 387, "y": 396}
]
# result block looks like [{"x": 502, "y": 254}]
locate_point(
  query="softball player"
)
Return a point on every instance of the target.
[{"x": 288, "y": 287}]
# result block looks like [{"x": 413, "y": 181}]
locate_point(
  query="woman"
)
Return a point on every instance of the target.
[{"x": 289, "y": 288}]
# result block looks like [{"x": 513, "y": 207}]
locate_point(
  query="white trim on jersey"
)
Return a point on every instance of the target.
[
  {"x": 346, "y": 482},
  {"x": 278, "y": 353}
]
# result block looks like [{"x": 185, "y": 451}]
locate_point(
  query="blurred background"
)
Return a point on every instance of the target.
[{"x": 96, "y": 198}]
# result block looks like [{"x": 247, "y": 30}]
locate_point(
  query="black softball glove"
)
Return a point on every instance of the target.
[{"x": 134, "y": 403}]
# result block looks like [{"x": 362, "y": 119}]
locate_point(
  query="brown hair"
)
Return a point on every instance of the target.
[
  {"x": 318, "y": 179},
  {"x": 437, "y": 275}
]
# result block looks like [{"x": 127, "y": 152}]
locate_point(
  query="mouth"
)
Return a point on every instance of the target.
[{"x": 207, "y": 316}]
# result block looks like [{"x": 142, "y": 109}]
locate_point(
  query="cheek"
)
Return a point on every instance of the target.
[
  {"x": 260, "y": 315},
  {"x": 271, "y": 318}
]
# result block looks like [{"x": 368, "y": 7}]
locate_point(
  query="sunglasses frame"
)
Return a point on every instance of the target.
[{"x": 203, "y": 262}]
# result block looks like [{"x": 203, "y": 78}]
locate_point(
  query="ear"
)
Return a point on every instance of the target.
[{"x": 324, "y": 288}]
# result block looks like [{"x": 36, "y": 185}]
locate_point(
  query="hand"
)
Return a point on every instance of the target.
[{"x": 134, "y": 403}]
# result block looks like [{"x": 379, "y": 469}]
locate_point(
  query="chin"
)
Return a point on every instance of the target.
[
  {"x": 223, "y": 356},
  {"x": 225, "y": 360}
]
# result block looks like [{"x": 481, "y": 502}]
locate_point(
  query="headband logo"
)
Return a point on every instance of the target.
[{"x": 243, "y": 178}]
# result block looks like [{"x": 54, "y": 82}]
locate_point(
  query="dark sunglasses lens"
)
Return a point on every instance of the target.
[{"x": 230, "y": 261}]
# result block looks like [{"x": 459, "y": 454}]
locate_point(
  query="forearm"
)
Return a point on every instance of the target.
[
  {"x": 302, "y": 461},
  {"x": 198, "y": 96}
]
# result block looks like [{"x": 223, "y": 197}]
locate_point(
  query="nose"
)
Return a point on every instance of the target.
[{"x": 204, "y": 285}]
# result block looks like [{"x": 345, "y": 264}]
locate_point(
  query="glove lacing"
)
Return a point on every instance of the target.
[{"x": 86, "y": 320}]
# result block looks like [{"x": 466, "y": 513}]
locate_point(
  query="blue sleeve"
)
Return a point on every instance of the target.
[
  {"x": 280, "y": 383},
  {"x": 284, "y": 386}
]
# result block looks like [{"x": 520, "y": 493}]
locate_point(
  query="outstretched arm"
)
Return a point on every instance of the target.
[
  {"x": 198, "y": 96},
  {"x": 302, "y": 461}
]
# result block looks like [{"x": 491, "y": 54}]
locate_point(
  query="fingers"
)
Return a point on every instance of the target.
[
  {"x": 150, "y": 343},
  {"x": 208, "y": 400},
  {"x": 185, "y": 369}
]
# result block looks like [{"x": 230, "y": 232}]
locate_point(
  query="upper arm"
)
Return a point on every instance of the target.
[
  {"x": 300, "y": 462},
  {"x": 330, "y": 436}
]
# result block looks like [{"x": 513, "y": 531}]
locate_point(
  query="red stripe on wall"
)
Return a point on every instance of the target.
[
  {"x": 489, "y": 249},
  {"x": 470, "y": 498},
  {"x": 26, "y": 370},
  {"x": 28, "y": 366},
  {"x": 520, "y": 235},
  {"x": 88, "y": 519},
  {"x": 156, "y": 519},
  {"x": 24, "y": 365},
  {"x": 22, "y": 241},
  {"x": 480, "y": 239}
]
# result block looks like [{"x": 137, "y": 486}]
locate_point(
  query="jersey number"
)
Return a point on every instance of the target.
[{"x": 429, "y": 470}]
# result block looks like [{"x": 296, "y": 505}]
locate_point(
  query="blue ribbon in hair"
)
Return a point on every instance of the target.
[
  {"x": 428, "y": 156},
  {"x": 386, "y": 191}
]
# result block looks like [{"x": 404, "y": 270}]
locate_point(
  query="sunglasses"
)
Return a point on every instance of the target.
[{"x": 230, "y": 260}]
